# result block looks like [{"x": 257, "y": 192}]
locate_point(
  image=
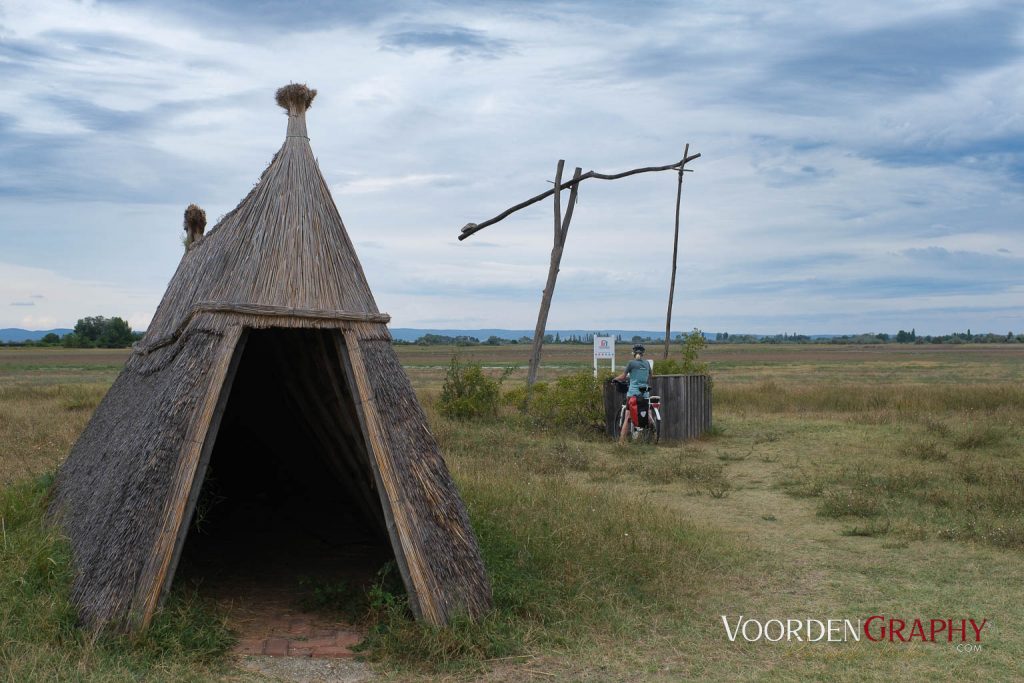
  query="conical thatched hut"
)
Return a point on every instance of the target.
[{"x": 268, "y": 364}]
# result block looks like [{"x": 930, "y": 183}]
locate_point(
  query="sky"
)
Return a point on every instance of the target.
[{"x": 862, "y": 163}]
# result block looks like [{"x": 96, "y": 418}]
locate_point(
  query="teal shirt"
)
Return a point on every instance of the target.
[{"x": 639, "y": 372}]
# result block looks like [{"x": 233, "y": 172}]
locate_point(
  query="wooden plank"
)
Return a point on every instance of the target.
[
  {"x": 407, "y": 554},
  {"x": 204, "y": 461},
  {"x": 197, "y": 444},
  {"x": 232, "y": 308}
]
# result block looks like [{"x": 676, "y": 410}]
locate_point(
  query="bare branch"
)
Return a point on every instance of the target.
[{"x": 472, "y": 228}]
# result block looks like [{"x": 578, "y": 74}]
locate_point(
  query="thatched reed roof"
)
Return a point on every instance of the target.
[{"x": 281, "y": 259}]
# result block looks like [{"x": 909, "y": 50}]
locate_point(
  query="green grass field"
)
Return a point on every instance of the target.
[{"x": 842, "y": 482}]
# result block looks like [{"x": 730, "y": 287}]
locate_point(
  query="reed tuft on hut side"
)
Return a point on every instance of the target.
[
  {"x": 194, "y": 223},
  {"x": 273, "y": 295}
]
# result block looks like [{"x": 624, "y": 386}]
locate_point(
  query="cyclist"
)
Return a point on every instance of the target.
[{"x": 639, "y": 373}]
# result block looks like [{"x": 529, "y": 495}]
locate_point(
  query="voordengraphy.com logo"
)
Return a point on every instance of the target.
[{"x": 876, "y": 628}]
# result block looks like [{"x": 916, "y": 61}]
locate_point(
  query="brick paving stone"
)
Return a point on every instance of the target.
[
  {"x": 349, "y": 638},
  {"x": 324, "y": 633},
  {"x": 300, "y": 627},
  {"x": 250, "y": 646},
  {"x": 332, "y": 651},
  {"x": 299, "y": 649},
  {"x": 320, "y": 642},
  {"x": 280, "y": 625},
  {"x": 276, "y": 631},
  {"x": 276, "y": 647}
]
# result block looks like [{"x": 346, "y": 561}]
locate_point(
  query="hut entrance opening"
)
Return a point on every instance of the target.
[{"x": 288, "y": 506}]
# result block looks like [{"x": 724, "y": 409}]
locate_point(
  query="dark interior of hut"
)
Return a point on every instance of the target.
[{"x": 288, "y": 508}]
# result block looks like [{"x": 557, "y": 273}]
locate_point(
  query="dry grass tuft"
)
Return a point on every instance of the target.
[
  {"x": 926, "y": 450},
  {"x": 981, "y": 434}
]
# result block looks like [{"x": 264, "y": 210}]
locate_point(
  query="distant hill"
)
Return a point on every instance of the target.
[{"x": 14, "y": 334}]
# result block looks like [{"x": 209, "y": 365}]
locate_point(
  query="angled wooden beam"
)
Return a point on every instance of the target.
[{"x": 561, "y": 225}]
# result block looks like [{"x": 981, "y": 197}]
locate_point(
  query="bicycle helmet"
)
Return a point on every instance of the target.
[{"x": 638, "y": 348}]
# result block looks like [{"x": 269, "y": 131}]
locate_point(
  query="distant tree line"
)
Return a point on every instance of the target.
[
  {"x": 95, "y": 332},
  {"x": 113, "y": 333},
  {"x": 464, "y": 340},
  {"x": 901, "y": 337}
]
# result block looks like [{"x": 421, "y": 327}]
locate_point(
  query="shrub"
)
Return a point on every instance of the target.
[
  {"x": 367, "y": 604},
  {"x": 468, "y": 393},
  {"x": 668, "y": 367},
  {"x": 575, "y": 402},
  {"x": 516, "y": 397},
  {"x": 690, "y": 364}
]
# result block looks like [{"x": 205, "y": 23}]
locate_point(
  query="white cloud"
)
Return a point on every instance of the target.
[
  {"x": 363, "y": 185},
  {"x": 60, "y": 301},
  {"x": 416, "y": 143}
]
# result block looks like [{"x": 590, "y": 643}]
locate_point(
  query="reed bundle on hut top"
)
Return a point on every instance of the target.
[{"x": 281, "y": 260}]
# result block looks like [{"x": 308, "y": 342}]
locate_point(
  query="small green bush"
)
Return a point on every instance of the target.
[
  {"x": 367, "y": 604},
  {"x": 575, "y": 402},
  {"x": 693, "y": 344},
  {"x": 516, "y": 397},
  {"x": 468, "y": 393}
]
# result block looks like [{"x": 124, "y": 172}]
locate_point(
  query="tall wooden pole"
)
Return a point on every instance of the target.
[
  {"x": 675, "y": 253},
  {"x": 561, "y": 231}
]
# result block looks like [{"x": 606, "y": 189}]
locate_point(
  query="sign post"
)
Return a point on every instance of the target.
[{"x": 604, "y": 347}]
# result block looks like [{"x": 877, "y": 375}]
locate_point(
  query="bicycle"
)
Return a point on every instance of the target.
[{"x": 648, "y": 416}]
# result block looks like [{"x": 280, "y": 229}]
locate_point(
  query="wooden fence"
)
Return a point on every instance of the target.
[{"x": 685, "y": 405}]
